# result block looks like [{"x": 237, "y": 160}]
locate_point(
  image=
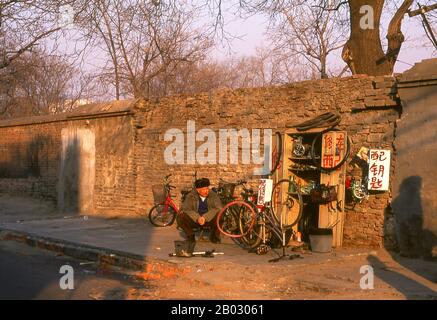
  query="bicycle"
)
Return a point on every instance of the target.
[
  {"x": 276, "y": 219},
  {"x": 163, "y": 214},
  {"x": 225, "y": 190},
  {"x": 258, "y": 223}
]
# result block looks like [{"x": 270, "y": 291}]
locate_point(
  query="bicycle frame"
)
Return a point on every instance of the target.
[
  {"x": 266, "y": 221},
  {"x": 170, "y": 203}
]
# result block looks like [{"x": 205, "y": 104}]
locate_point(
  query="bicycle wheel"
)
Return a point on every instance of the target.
[
  {"x": 162, "y": 215},
  {"x": 235, "y": 209},
  {"x": 358, "y": 190},
  {"x": 229, "y": 221},
  {"x": 287, "y": 203},
  {"x": 251, "y": 230}
]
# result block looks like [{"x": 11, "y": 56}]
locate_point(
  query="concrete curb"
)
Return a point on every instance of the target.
[{"x": 154, "y": 268}]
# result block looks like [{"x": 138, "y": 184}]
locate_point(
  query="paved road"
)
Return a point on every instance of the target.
[{"x": 31, "y": 273}]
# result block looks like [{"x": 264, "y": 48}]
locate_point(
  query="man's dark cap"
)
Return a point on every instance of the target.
[{"x": 202, "y": 183}]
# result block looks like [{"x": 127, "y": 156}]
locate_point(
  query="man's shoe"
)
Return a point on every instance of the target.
[
  {"x": 190, "y": 249},
  {"x": 215, "y": 239},
  {"x": 185, "y": 254}
]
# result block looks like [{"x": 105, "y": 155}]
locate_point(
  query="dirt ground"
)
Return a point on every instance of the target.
[
  {"x": 37, "y": 277},
  {"x": 330, "y": 279}
]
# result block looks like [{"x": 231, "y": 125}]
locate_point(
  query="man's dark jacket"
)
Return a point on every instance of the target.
[{"x": 191, "y": 205}]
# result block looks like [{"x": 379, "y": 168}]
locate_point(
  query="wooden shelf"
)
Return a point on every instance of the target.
[
  {"x": 293, "y": 131},
  {"x": 308, "y": 158},
  {"x": 292, "y": 193},
  {"x": 303, "y": 170},
  {"x": 303, "y": 176}
]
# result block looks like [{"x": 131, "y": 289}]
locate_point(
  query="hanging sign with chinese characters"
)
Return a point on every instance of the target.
[
  {"x": 379, "y": 169},
  {"x": 333, "y": 148},
  {"x": 265, "y": 189}
]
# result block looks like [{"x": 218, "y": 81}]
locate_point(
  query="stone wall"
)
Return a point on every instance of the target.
[
  {"x": 369, "y": 108},
  {"x": 129, "y": 148}
]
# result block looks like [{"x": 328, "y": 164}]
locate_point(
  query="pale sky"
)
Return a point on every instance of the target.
[{"x": 416, "y": 47}]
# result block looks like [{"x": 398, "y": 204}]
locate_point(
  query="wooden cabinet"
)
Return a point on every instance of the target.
[{"x": 302, "y": 166}]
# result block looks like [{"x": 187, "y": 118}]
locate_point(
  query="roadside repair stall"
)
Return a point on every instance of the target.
[{"x": 316, "y": 185}]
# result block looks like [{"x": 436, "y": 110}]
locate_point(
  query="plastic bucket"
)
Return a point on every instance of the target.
[{"x": 321, "y": 240}]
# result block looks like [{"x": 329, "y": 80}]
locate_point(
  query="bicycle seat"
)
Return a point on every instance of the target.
[{"x": 185, "y": 192}]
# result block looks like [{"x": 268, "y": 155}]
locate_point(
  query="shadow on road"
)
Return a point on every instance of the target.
[{"x": 415, "y": 244}]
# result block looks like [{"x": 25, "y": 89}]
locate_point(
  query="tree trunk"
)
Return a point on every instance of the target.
[
  {"x": 363, "y": 51},
  {"x": 323, "y": 73}
]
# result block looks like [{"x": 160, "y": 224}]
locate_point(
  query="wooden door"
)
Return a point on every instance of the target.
[{"x": 332, "y": 215}]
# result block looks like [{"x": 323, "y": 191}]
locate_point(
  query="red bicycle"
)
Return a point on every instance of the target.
[{"x": 163, "y": 214}]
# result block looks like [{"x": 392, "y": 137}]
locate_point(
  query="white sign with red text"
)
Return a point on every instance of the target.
[
  {"x": 379, "y": 169},
  {"x": 265, "y": 189}
]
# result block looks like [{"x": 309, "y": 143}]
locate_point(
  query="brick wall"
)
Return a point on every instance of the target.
[
  {"x": 29, "y": 160},
  {"x": 115, "y": 179},
  {"x": 130, "y": 149},
  {"x": 30, "y": 157}
]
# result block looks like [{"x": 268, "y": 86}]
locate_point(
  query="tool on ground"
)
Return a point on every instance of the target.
[
  {"x": 286, "y": 257},
  {"x": 205, "y": 254}
]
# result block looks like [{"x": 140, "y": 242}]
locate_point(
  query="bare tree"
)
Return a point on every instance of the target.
[
  {"x": 308, "y": 32},
  {"x": 268, "y": 68},
  {"x": 24, "y": 24},
  {"x": 265, "y": 68},
  {"x": 143, "y": 40},
  {"x": 427, "y": 16},
  {"x": 37, "y": 83},
  {"x": 193, "y": 77},
  {"x": 363, "y": 52}
]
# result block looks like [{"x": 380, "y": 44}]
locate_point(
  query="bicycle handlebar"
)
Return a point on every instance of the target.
[{"x": 248, "y": 190}]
